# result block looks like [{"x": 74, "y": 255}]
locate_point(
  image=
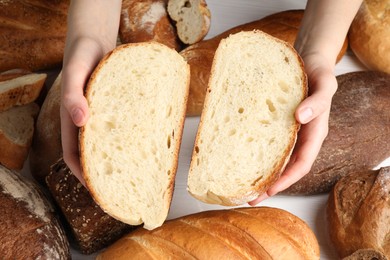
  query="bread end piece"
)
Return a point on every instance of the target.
[
  {"x": 247, "y": 129},
  {"x": 129, "y": 147}
]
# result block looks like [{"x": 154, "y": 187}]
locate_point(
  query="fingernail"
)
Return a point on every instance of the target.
[
  {"x": 77, "y": 116},
  {"x": 306, "y": 115}
]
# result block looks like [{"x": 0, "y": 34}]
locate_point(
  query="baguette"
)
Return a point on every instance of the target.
[
  {"x": 16, "y": 134},
  {"x": 358, "y": 213},
  {"x": 130, "y": 145},
  {"x": 245, "y": 233},
  {"x": 283, "y": 25},
  {"x": 29, "y": 228},
  {"x": 21, "y": 90},
  {"x": 247, "y": 130},
  {"x": 359, "y": 131},
  {"x": 192, "y": 19},
  {"x": 146, "y": 21},
  {"x": 33, "y": 34}
]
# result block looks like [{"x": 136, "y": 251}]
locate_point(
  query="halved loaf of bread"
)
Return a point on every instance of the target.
[
  {"x": 129, "y": 147},
  {"x": 16, "y": 134},
  {"x": 247, "y": 129},
  {"x": 192, "y": 19}
]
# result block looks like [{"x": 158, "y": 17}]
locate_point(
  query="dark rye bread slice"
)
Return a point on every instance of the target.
[
  {"x": 247, "y": 130},
  {"x": 359, "y": 132},
  {"x": 129, "y": 147},
  {"x": 29, "y": 228},
  {"x": 88, "y": 228},
  {"x": 358, "y": 214}
]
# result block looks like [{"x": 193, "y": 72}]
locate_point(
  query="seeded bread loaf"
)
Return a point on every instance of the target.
[
  {"x": 242, "y": 233},
  {"x": 247, "y": 129},
  {"x": 358, "y": 213},
  {"x": 146, "y": 21},
  {"x": 192, "y": 19},
  {"x": 359, "y": 130},
  {"x": 130, "y": 145},
  {"x": 283, "y": 25},
  {"x": 88, "y": 227},
  {"x": 29, "y": 228}
]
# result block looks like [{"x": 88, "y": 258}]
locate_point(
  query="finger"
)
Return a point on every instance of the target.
[
  {"x": 69, "y": 133},
  {"x": 259, "y": 199},
  {"x": 73, "y": 100}
]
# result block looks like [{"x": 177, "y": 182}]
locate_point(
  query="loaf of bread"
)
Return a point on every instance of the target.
[
  {"x": 369, "y": 35},
  {"x": 32, "y": 33},
  {"x": 29, "y": 228},
  {"x": 129, "y": 147},
  {"x": 46, "y": 147},
  {"x": 88, "y": 227},
  {"x": 148, "y": 20},
  {"x": 242, "y": 233},
  {"x": 359, "y": 132},
  {"x": 358, "y": 214},
  {"x": 20, "y": 89},
  {"x": 16, "y": 134},
  {"x": 247, "y": 130},
  {"x": 283, "y": 25},
  {"x": 192, "y": 19}
]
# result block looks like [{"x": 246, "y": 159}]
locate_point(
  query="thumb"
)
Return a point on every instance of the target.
[{"x": 72, "y": 96}]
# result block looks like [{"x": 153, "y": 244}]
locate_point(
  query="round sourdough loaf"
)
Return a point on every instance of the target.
[
  {"x": 242, "y": 233},
  {"x": 359, "y": 132},
  {"x": 358, "y": 213},
  {"x": 29, "y": 228},
  {"x": 369, "y": 35}
]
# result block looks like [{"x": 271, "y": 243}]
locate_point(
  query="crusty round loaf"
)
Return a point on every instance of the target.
[
  {"x": 369, "y": 35},
  {"x": 358, "y": 213},
  {"x": 359, "y": 132},
  {"x": 283, "y": 25},
  {"x": 241, "y": 233},
  {"x": 28, "y": 227},
  {"x": 46, "y": 147}
]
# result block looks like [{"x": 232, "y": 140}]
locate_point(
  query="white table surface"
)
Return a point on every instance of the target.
[{"x": 227, "y": 14}]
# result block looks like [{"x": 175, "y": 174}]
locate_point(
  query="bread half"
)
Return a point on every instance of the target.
[
  {"x": 247, "y": 129},
  {"x": 130, "y": 145}
]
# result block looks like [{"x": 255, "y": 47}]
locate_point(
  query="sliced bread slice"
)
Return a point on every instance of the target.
[
  {"x": 20, "y": 90},
  {"x": 130, "y": 145},
  {"x": 16, "y": 133},
  {"x": 192, "y": 19},
  {"x": 247, "y": 129}
]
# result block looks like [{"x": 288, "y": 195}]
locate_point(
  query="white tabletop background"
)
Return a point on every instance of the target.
[{"x": 225, "y": 15}]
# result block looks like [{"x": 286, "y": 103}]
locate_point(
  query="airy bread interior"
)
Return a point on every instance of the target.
[
  {"x": 247, "y": 129},
  {"x": 129, "y": 147},
  {"x": 17, "y": 123}
]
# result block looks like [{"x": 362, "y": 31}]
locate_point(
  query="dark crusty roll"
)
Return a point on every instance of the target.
[
  {"x": 359, "y": 132},
  {"x": 32, "y": 33},
  {"x": 242, "y": 233},
  {"x": 29, "y": 228},
  {"x": 358, "y": 213},
  {"x": 88, "y": 227},
  {"x": 283, "y": 25}
]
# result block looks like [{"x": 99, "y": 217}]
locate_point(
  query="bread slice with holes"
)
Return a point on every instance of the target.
[
  {"x": 247, "y": 129},
  {"x": 129, "y": 147}
]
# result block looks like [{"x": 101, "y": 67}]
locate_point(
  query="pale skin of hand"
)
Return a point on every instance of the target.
[
  {"x": 92, "y": 32},
  {"x": 320, "y": 38}
]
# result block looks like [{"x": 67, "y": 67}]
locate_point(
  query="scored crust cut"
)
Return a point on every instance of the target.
[
  {"x": 129, "y": 147},
  {"x": 247, "y": 129}
]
